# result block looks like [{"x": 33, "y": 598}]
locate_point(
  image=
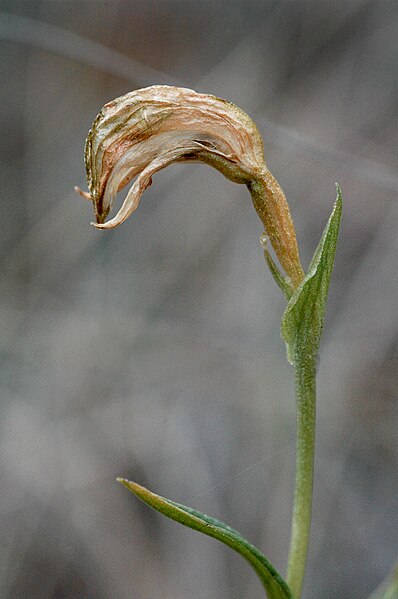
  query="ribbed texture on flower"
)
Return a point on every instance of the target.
[{"x": 142, "y": 132}]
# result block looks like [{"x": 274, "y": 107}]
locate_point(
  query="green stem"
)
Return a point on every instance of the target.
[{"x": 305, "y": 445}]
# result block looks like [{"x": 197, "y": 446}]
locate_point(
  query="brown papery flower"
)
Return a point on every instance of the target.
[{"x": 142, "y": 132}]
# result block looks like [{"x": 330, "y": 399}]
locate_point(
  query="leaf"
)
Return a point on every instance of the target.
[
  {"x": 273, "y": 583},
  {"x": 389, "y": 589},
  {"x": 279, "y": 279},
  {"x": 302, "y": 322}
]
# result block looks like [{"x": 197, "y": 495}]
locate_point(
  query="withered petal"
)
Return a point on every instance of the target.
[
  {"x": 144, "y": 131},
  {"x": 143, "y": 180},
  {"x": 133, "y": 130}
]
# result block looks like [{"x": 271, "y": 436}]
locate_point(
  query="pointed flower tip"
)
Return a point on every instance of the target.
[
  {"x": 96, "y": 225},
  {"x": 99, "y": 225},
  {"x": 84, "y": 194}
]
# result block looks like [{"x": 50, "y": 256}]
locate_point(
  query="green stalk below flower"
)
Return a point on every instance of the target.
[{"x": 305, "y": 449}]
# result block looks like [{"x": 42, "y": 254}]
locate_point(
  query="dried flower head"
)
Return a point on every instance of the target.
[{"x": 142, "y": 132}]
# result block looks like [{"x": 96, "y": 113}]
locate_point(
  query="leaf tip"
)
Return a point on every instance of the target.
[
  {"x": 338, "y": 204},
  {"x": 135, "y": 488},
  {"x": 339, "y": 198},
  {"x": 126, "y": 483}
]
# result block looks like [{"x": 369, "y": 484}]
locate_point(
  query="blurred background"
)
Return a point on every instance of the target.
[{"x": 153, "y": 351}]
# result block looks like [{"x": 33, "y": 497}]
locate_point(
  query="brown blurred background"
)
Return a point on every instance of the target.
[{"x": 153, "y": 351}]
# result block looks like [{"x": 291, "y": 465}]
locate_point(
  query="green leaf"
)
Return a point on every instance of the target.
[
  {"x": 279, "y": 279},
  {"x": 273, "y": 583},
  {"x": 389, "y": 589},
  {"x": 302, "y": 321}
]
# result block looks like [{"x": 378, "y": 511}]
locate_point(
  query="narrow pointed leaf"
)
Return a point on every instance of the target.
[
  {"x": 302, "y": 322},
  {"x": 273, "y": 583},
  {"x": 389, "y": 589},
  {"x": 279, "y": 279}
]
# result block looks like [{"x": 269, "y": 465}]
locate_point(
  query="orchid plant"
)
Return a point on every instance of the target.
[{"x": 139, "y": 134}]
